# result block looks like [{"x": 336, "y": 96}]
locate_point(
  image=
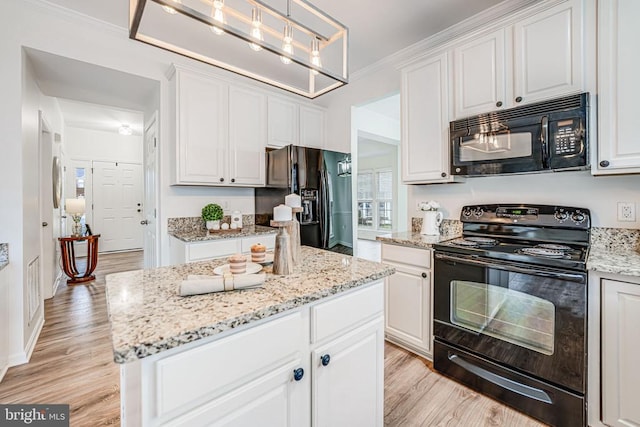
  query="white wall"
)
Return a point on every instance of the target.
[
  {"x": 580, "y": 189},
  {"x": 90, "y": 144}
]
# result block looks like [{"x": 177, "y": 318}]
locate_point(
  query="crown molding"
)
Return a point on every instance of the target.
[
  {"x": 67, "y": 13},
  {"x": 416, "y": 50}
]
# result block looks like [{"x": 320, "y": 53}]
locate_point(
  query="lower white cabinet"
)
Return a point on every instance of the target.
[
  {"x": 182, "y": 252},
  {"x": 4, "y": 320},
  {"x": 301, "y": 368},
  {"x": 408, "y": 296},
  {"x": 620, "y": 350}
]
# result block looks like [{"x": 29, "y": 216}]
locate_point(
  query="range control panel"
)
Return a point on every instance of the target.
[{"x": 538, "y": 215}]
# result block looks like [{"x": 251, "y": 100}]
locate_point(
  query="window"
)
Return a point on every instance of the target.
[{"x": 375, "y": 200}]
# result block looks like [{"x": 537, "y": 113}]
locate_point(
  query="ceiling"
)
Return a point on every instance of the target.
[
  {"x": 99, "y": 117},
  {"x": 376, "y": 29}
]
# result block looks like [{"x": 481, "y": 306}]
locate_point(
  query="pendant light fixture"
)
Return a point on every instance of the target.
[{"x": 310, "y": 45}]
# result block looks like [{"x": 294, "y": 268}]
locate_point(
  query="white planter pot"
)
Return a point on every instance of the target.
[{"x": 213, "y": 225}]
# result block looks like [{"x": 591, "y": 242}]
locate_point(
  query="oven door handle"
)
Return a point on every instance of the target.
[{"x": 579, "y": 278}]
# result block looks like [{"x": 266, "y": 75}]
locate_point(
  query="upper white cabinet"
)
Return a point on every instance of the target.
[
  {"x": 479, "y": 79},
  {"x": 618, "y": 87},
  {"x": 537, "y": 58},
  {"x": 220, "y": 131},
  {"x": 425, "y": 123},
  {"x": 290, "y": 122}
]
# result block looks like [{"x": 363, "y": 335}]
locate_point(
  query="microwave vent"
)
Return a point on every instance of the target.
[{"x": 538, "y": 108}]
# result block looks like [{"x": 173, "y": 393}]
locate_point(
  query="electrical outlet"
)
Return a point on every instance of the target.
[{"x": 626, "y": 211}]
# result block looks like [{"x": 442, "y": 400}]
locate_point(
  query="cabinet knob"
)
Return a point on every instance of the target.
[
  {"x": 325, "y": 359},
  {"x": 233, "y": 180},
  {"x": 424, "y": 275},
  {"x": 44, "y": 224},
  {"x": 499, "y": 104},
  {"x": 519, "y": 99},
  {"x": 221, "y": 179},
  {"x": 144, "y": 222},
  {"x": 443, "y": 174},
  {"x": 604, "y": 163},
  {"x": 139, "y": 210},
  {"x": 298, "y": 374}
]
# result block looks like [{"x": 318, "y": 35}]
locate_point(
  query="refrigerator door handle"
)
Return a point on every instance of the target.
[{"x": 324, "y": 206}]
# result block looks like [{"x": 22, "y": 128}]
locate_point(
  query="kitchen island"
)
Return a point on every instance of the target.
[{"x": 308, "y": 346}]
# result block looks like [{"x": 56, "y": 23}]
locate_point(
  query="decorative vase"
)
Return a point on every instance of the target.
[
  {"x": 431, "y": 223},
  {"x": 213, "y": 225}
]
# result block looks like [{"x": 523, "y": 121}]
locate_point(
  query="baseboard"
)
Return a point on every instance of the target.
[
  {"x": 24, "y": 356},
  {"x": 347, "y": 244},
  {"x": 3, "y": 372}
]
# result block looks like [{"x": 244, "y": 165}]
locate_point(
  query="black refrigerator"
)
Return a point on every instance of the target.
[{"x": 324, "y": 187}]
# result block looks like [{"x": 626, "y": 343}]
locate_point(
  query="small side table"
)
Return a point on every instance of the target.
[{"x": 69, "y": 258}]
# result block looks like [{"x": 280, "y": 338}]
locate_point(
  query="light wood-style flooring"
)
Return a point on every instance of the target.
[{"x": 72, "y": 363}]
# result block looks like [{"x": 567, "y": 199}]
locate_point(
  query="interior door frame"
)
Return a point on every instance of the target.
[
  {"x": 45, "y": 199},
  {"x": 152, "y": 125}
]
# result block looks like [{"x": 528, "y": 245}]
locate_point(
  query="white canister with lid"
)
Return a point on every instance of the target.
[{"x": 236, "y": 218}]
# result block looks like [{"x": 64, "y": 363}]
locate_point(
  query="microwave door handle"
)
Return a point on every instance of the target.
[{"x": 544, "y": 139}]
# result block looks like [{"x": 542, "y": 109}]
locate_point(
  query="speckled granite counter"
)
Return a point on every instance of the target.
[
  {"x": 615, "y": 250},
  {"x": 449, "y": 229},
  {"x": 203, "y": 235},
  {"x": 148, "y": 316},
  {"x": 4, "y": 255}
]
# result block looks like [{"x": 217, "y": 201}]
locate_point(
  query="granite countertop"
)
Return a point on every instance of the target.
[
  {"x": 203, "y": 235},
  {"x": 147, "y": 315},
  {"x": 615, "y": 250},
  {"x": 4, "y": 255},
  {"x": 415, "y": 239}
]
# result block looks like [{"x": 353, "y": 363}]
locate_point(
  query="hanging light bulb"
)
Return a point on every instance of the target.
[
  {"x": 315, "y": 55},
  {"x": 218, "y": 16},
  {"x": 287, "y": 43},
  {"x": 171, "y": 10},
  {"x": 256, "y": 32}
]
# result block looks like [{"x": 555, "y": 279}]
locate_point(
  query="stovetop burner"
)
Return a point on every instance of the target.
[{"x": 554, "y": 236}]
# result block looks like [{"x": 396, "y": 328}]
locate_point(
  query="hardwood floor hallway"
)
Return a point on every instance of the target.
[{"x": 73, "y": 364}]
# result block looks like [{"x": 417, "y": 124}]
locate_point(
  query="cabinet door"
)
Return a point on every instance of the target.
[
  {"x": 479, "y": 75},
  {"x": 4, "y": 320},
  {"x": 425, "y": 125},
  {"x": 619, "y": 87},
  {"x": 247, "y": 137},
  {"x": 548, "y": 54},
  {"x": 312, "y": 127},
  {"x": 273, "y": 400},
  {"x": 620, "y": 349},
  {"x": 283, "y": 122},
  {"x": 201, "y": 129},
  {"x": 348, "y": 390},
  {"x": 408, "y": 307}
]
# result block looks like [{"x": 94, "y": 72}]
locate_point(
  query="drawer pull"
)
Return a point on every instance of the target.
[
  {"x": 298, "y": 374},
  {"x": 325, "y": 359}
]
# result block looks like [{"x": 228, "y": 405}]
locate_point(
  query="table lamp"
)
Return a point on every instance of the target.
[{"x": 75, "y": 207}]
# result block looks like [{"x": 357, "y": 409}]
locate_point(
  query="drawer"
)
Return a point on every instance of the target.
[
  {"x": 209, "y": 250},
  {"x": 405, "y": 255},
  {"x": 207, "y": 372},
  {"x": 346, "y": 312},
  {"x": 269, "y": 240}
]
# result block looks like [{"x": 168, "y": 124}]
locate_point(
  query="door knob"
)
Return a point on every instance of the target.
[
  {"x": 144, "y": 222},
  {"x": 44, "y": 224}
]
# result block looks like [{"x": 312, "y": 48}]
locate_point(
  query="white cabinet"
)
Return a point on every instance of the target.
[
  {"x": 270, "y": 373},
  {"x": 620, "y": 349},
  {"x": 479, "y": 67},
  {"x": 182, "y": 252},
  {"x": 408, "y": 299},
  {"x": 618, "y": 87},
  {"x": 539, "y": 57},
  {"x": 425, "y": 122},
  {"x": 294, "y": 123},
  {"x": 348, "y": 379},
  {"x": 220, "y": 131}
]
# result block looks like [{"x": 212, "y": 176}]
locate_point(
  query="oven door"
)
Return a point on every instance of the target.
[
  {"x": 527, "y": 318},
  {"x": 515, "y": 147}
]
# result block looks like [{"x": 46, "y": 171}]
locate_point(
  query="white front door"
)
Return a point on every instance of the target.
[
  {"x": 150, "y": 183},
  {"x": 117, "y": 205}
]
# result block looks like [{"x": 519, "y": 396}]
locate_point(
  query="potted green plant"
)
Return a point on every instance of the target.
[{"x": 212, "y": 214}]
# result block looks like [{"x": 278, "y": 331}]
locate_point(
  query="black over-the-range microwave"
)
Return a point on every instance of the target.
[{"x": 545, "y": 136}]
